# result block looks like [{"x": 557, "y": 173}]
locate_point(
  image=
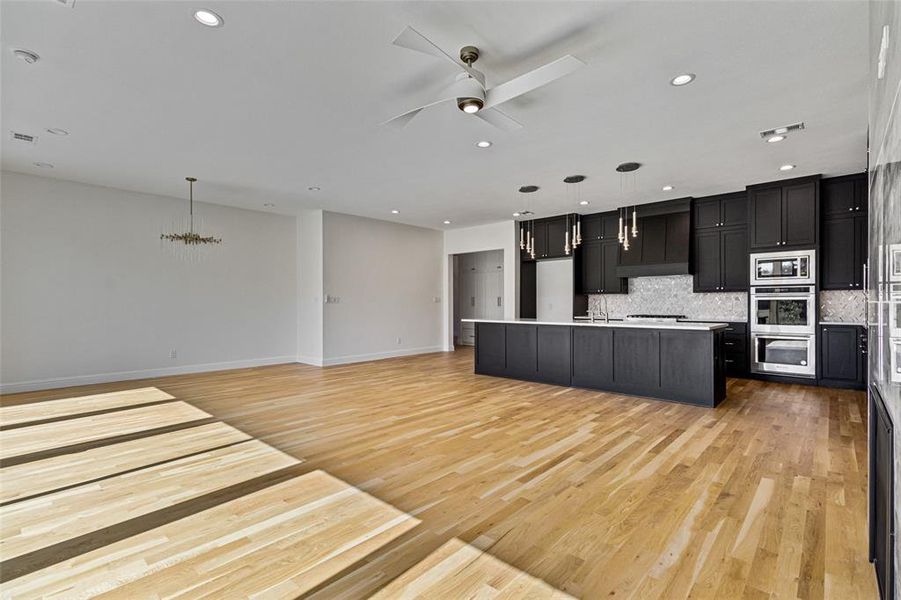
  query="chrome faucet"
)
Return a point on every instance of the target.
[{"x": 592, "y": 313}]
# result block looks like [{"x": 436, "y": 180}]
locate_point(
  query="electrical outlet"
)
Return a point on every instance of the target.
[
  {"x": 398, "y": 340},
  {"x": 436, "y": 299},
  {"x": 173, "y": 353}
]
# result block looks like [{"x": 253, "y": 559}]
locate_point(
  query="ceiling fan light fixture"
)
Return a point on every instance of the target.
[{"x": 470, "y": 105}]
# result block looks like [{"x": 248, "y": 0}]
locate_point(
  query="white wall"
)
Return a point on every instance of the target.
[
  {"x": 310, "y": 330},
  {"x": 495, "y": 236},
  {"x": 87, "y": 294},
  {"x": 386, "y": 278}
]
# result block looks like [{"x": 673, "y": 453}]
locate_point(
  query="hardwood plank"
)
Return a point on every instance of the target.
[
  {"x": 50, "y": 409},
  {"x": 276, "y": 542},
  {"x": 44, "y": 521},
  {"x": 29, "y": 479},
  {"x": 29, "y": 440},
  {"x": 458, "y": 570},
  {"x": 589, "y": 492}
]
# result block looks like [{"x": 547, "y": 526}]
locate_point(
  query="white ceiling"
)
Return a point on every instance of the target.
[{"x": 289, "y": 95}]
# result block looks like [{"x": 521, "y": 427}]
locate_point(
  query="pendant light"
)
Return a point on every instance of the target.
[
  {"x": 623, "y": 234},
  {"x": 574, "y": 225}
]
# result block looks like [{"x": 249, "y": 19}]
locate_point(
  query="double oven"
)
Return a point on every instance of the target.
[
  {"x": 783, "y": 313},
  {"x": 894, "y": 306}
]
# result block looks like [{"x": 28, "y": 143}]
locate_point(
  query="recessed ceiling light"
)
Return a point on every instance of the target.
[
  {"x": 57, "y": 131},
  {"x": 667, "y": 188},
  {"x": 447, "y": 222},
  {"x": 775, "y": 138},
  {"x": 314, "y": 188},
  {"x": 395, "y": 212},
  {"x": 483, "y": 144},
  {"x": 683, "y": 79},
  {"x": 584, "y": 202},
  {"x": 207, "y": 17},
  {"x": 786, "y": 167},
  {"x": 43, "y": 165}
]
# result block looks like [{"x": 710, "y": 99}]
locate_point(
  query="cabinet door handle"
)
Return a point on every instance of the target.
[{"x": 851, "y": 208}]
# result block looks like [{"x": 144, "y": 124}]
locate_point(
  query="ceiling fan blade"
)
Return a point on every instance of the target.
[
  {"x": 411, "y": 39},
  {"x": 532, "y": 80},
  {"x": 402, "y": 119},
  {"x": 501, "y": 120}
]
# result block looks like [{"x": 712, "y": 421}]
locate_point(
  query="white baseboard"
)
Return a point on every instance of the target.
[
  {"x": 355, "y": 358},
  {"x": 46, "y": 384},
  {"x": 315, "y": 361}
]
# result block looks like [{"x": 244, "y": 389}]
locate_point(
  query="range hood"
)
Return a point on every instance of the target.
[{"x": 663, "y": 243}]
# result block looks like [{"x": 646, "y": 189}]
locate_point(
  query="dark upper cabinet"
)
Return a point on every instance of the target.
[
  {"x": 799, "y": 214},
  {"x": 610, "y": 225},
  {"x": 765, "y": 216},
  {"x": 840, "y": 349},
  {"x": 707, "y": 212},
  {"x": 843, "y": 252},
  {"x": 726, "y": 210},
  {"x": 539, "y": 238},
  {"x": 837, "y": 254},
  {"x": 592, "y": 228},
  {"x": 549, "y": 236},
  {"x": 610, "y": 283},
  {"x": 721, "y": 260},
  {"x": 842, "y": 196},
  {"x": 556, "y": 237},
  {"x": 708, "y": 261},
  {"x": 734, "y": 209},
  {"x": 599, "y": 226},
  {"x": 734, "y": 259},
  {"x": 598, "y": 269},
  {"x": 592, "y": 267},
  {"x": 528, "y": 301},
  {"x": 783, "y": 214}
]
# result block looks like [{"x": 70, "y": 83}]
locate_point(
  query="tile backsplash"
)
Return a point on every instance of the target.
[
  {"x": 843, "y": 306},
  {"x": 672, "y": 295}
]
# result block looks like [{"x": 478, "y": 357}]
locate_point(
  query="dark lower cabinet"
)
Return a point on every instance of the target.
[
  {"x": 842, "y": 356},
  {"x": 521, "y": 350},
  {"x": 735, "y": 350},
  {"x": 882, "y": 495},
  {"x": 554, "y": 353},
  {"x": 491, "y": 348},
  {"x": 592, "y": 356},
  {"x": 636, "y": 359},
  {"x": 680, "y": 365}
]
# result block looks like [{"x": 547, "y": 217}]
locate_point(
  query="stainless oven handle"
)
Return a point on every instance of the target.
[{"x": 778, "y": 297}]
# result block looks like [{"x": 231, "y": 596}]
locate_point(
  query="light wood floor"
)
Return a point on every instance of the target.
[{"x": 414, "y": 477}]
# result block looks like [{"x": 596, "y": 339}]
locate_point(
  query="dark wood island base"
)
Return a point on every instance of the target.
[{"x": 670, "y": 363}]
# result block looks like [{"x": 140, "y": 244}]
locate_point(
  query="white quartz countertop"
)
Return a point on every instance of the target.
[{"x": 629, "y": 324}]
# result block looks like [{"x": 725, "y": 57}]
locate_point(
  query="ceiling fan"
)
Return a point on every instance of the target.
[{"x": 469, "y": 90}]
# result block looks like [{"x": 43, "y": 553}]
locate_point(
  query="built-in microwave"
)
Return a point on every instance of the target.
[
  {"x": 779, "y": 354},
  {"x": 794, "y": 267}
]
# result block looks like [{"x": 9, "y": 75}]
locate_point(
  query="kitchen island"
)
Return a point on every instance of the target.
[{"x": 676, "y": 361}]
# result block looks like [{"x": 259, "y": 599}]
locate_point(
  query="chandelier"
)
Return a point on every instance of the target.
[{"x": 190, "y": 237}]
